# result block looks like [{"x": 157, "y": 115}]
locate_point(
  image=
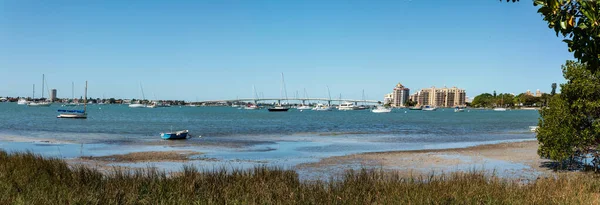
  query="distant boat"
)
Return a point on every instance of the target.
[
  {"x": 174, "y": 135},
  {"x": 139, "y": 104},
  {"x": 501, "y": 109},
  {"x": 347, "y": 106},
  {"x": 415, "y": 108},
  {"x": 459, "y": 110},
  {"x": 251, "y": 107},
  {"x": 533, "y": 128},
  {"x": 304, "y": 107},
  {"x": 39, "y": 103},
  {"x": 76, "y": 114},
  {"x": 279, "y": 107},
  {"x": 322, "y": 107},
  {"x": 22, "y": 101},
  {"x": 381, "y": 109},
  {"x": 429, "y": 108}
]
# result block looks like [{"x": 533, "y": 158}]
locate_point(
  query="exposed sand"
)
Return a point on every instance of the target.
[
  {"x": 517, "y": 159},
  {"x": 11, "y": 138},
  {"x": 153, "y": 156}
]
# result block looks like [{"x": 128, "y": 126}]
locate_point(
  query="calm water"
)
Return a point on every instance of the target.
[
  {"x": 232, "y": 134},
  {"x": 118, "y": 122}
]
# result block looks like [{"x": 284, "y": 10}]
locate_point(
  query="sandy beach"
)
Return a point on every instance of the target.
[{"x": 518, "y": 160}]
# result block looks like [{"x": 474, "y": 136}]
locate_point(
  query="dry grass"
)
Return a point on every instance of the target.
[
  {"x": 146, "y": 156},
  {"x": 27, "y": 178}
]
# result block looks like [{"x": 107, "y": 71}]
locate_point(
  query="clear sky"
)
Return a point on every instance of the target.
[{"x": 218, "y": 49}]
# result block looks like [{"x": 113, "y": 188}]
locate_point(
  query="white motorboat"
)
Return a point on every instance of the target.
[
  {"x": 304, "y": 107},
  {"x": 429, "y": 108},
  {"x": 459, "y": 110},
  {"x": 381, "y": 109},
  {"x": 322, "y": 107},
  {"x": 500, "y": 109},
  {"x": 347, "y": 106},
  {"x": 22, "y": 101}
]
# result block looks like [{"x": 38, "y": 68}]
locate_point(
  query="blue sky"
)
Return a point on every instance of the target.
[{"x": 218, "y": 49}]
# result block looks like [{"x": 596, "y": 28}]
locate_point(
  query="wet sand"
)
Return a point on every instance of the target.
[
  {"x": 154, "y": 156},
  {"x": 518, "y": 159}
]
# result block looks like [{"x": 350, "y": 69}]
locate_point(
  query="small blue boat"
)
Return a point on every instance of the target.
[{"x": 175, "y": 136}]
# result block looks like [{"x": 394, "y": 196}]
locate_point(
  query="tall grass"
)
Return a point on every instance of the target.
[{"x": 27, "y": 178}]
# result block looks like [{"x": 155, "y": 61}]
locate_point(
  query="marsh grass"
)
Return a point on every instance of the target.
[{"x": 27, "y": 178}]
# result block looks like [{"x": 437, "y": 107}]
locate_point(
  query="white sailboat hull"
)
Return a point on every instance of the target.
[
  {"x": 381, "y": 110},
  {"x": 22, "y": 102},
  {"x": 72, "y": 115},
  {"x": 136, "y": 105},
  {"x": 499, "y": 109},
  {"x": 304, "y": 107},
  {"x": 39, "y": 104}
]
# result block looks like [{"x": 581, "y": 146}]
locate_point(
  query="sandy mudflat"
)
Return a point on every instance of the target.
[
  {"x": 154, "y": 156},
  {"x": 518, "y": 159}
]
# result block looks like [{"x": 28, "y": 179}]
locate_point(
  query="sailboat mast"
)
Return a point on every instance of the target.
[
  {"x": 329, "y": 93},
  {"x": 43, "y": 79},
  {"x": 33, "y": 95},
  {"x": 142, "y": 88},
  {"x": 284, "y": 89},
  {"x": 73, "y": 90},
  {"x": 85, "y": 100}
]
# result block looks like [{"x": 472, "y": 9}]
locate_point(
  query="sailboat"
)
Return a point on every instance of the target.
[
  {"x": 139, "y": 104},
  {"x": 500, "y": 109},
  {"x": 40, "y": 103},
  {"x": 76, "y": 114},
  {"x": 303, "y": 106},
  {"x": 279, "y": 107},
  {"x": 251, "y": 106},
  {"x": 73, "y": 103},
  {"x": 322, "y": 107},
  {"x": 363, "y": 106}
]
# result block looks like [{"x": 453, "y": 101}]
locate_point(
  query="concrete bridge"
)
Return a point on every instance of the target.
[{"x": 302, "y": 100}]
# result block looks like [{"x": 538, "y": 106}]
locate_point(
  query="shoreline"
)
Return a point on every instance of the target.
[{"x": 508, "y": 159}]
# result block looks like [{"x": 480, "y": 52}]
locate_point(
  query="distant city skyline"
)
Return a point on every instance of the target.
[{"x": 218, "y": 50}]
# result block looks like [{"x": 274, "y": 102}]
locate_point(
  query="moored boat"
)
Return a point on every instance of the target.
[
  {"x": 429, "y": 108},
  {"x": 175, "y": 135},
  {"x": 322, "y": 107},
  {"x": 278, "y": 109},
  {"x": 22, "y": 101},
  {"x": 416, "y": 108},
  {"x": 499, "y": 109},
  {"x": 347, "y": 106},
  {"x": 76, "y": 114},
  {"x": 381, "y": 109}
]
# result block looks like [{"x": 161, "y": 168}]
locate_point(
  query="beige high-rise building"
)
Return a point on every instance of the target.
[
  {"x": 400, "y": 95},
  {"x": 388, "y": 98},
  {"x": 538, "y": 93},
  {"x": 441, "y": 97}
]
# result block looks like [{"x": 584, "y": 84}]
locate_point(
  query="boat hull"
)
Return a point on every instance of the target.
[
  {"x": 39, "y": 104},
  {"x": 278, "y": 109},
  {"x": 136, "y": 105},
  {"x": 381, "y": 110},
  {"x": 73, "y": 116},
  {"x": 174, "y": 136}
]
